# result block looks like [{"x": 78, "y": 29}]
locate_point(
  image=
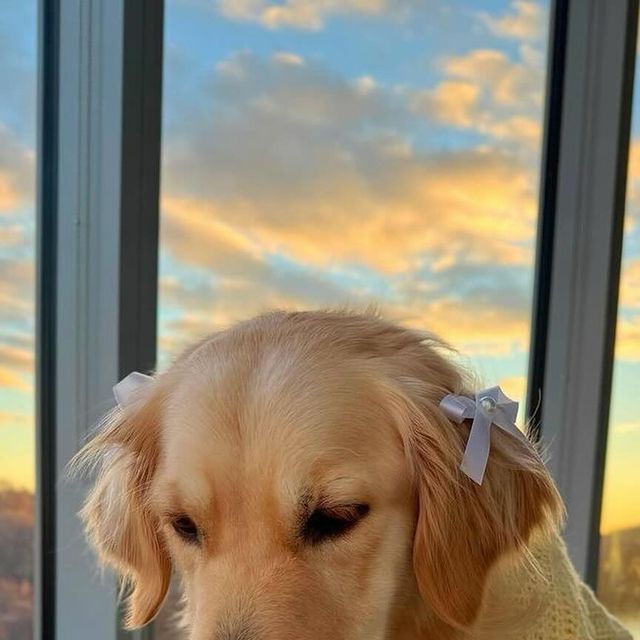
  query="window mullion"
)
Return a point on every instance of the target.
[
  {"x": 109, "y": 124},
  {"x": 589, "y": 211}
]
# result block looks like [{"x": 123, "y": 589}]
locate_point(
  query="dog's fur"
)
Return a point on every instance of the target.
[{"x": 254, "y": 429}]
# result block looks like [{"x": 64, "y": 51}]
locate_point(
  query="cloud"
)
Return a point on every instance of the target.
[
  {"x": 509, "y": 83},
  {"x": 306, "y": 164},
  {"x": 524, "y": 21},
  {"x": 476, "y": 318},
  {"x": 517, "y": 128},
  {"x": 633, "y": 184},
  {"x": 196, "y": 311},
  {"x": 17, "y": 357},
  {"x": 286, "y": 57},
  {"x": 9, "y": 195},
  {"x": 17, "y": 322},
  {"x": 630, "y": 284},
  {"x": 9, "y": 379},
  {"x": 481, "y": 310},
  {"x": 16, "y": 361},
  {"x": 489, "y": 330},
  {"x": 319, "y": 192},
  {"x": 486, "y": 92},
  {"x": 12, "y": 235},
  {"x": 628, "y": 338},
  {"x": 628, "y": 327},
  {"x": 12, "y": 419},
  {"x": 626, "y": 428},
  {"x": 300, "y": 14},
  {"x": 16, "y": 172},
  {"x": 452, "y": 102},
  {"x": 17, "y": 284}
]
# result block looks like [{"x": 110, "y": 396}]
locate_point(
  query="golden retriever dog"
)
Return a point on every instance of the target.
[{"x": 297, "y": 473}]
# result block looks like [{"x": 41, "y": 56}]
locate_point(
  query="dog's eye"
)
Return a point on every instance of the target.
[
  {"x": 186, "y": 528},
  {"x": 325, "y": 523}
]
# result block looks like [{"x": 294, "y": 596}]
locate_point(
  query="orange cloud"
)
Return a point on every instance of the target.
[
  {"x": 10, "y": 380},
  {"x": 286, "y": 57},
  {"x": 524, "y": 21},
  {"x": 17, "y": 284},
  {"x": 292, "y": 172},
  {"x": 482, "y": 207},
  {"x": 18, "y": 357},
  {"x": 628, "y": 338},
  {"x": 475, "y": 326},
  {"x": 630, "y": 284},
  {"x": 626, "y": 428},
  {"x": 487, "y": 92},
  {"x": 474, "y": 330},
  {"x": 633, "y": 184},
  {"x": 488, "y": 331},
  {"x": 451, "y": 102},
  {"x": 518, "y": 128},
  {"x": 17, "y": 171},
  {"x": 509, "y": 83},
  {"x": 11, "y": 419},
  {"x": 10, "y": 195},
  {"x": 302, "y": 14},
  {"x": 314, "y": 195}
]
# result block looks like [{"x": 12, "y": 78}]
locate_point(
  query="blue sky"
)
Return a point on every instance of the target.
[
  {"x": 404, "y": 52},
  {"x": 319, "y": 153}
]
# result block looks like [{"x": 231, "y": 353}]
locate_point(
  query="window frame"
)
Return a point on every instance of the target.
[
  {"x": 584, "y": 198},
  {"x": 99, "y": 151},
  {"x": 46, "y": 251},
  {"x": 100, "y": 101}
]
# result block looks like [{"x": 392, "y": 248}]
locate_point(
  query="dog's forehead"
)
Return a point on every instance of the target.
[{"x": 279, "y": 412}]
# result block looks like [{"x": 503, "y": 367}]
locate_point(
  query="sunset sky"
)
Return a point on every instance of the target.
[{"x": 318, "y": 152}]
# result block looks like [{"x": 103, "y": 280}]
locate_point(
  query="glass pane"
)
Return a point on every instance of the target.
[
  {"x": 619, "y": 571},
  {"x": 18, "y": 29},
  {"x": 323, "y": 153}
]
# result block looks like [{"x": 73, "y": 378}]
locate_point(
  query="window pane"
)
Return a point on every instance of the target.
[
  {"x": 317, "y": 154},
  {"x": 619, "y": 572},
  {"x": 18, "y": 29}
]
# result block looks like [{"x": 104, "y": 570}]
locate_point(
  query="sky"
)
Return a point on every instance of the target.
[{"x": 323, "y": 152}]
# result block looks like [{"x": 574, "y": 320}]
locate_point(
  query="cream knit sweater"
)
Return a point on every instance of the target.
[{"x": 567, "y": 609}]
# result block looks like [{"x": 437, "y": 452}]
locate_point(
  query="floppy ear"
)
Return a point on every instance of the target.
[
  {"x": 117, "y": 518},
  {"x": 463, "y": 529}
]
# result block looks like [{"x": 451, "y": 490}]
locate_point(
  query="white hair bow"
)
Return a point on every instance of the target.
[
  {"x": 127, "y": 389},
  {"x": 489, "y": 407}
]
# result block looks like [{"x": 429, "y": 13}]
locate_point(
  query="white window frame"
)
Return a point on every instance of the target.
[
  {"x": 583, "y": 200},
  {"x": 101, "y": 71},
  {"x": 99, "y": 158}
]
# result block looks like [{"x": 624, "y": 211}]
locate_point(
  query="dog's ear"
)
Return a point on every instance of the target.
[
  {"x": 117, "y": 518},
  {"x": 462, "y": 529}
]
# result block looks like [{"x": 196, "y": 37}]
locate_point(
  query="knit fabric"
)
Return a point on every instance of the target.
[{"x": 568, "y": 609}]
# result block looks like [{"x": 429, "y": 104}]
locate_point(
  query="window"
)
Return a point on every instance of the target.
[
  {"x": 316, "y": 155},
  {"x": 619, "y": 570},
  {"x": 18, "y": 30},
  {"x": 313, "y": 154}
]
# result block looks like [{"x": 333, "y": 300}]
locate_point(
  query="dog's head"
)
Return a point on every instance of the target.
[{"x": 298, "y": 473}]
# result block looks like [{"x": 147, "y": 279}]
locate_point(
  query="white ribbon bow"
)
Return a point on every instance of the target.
[
  {"x": 128, "y": 388},
  {"x": 490, "y": 406}
]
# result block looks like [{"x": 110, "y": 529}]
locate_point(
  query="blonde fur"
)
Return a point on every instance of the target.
[{"x": 313, "y": 406}]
